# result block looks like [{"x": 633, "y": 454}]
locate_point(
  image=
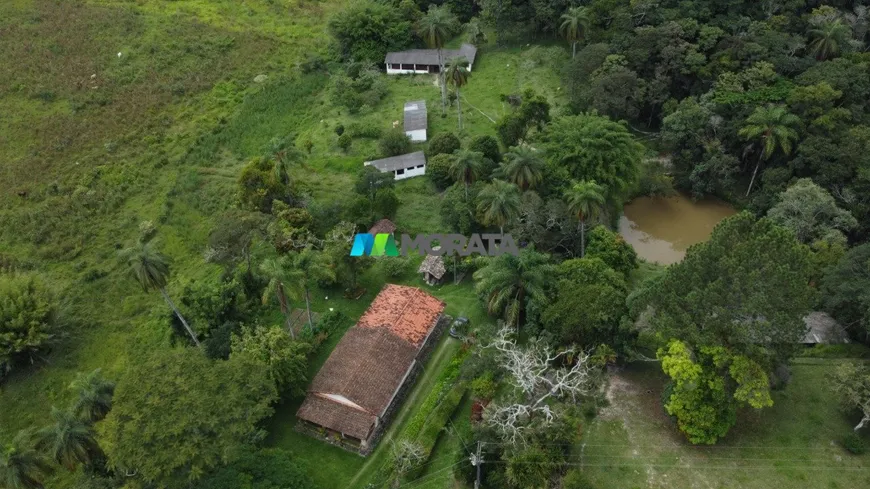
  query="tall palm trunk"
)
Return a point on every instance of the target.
[
  {"x": 582, "y": 238},
  {"x": 573, "y": 49},
  {"x": 285, "y": 309},
  {"x": 178, "y": 314},
  {"x": 308, "y": 308},
  {"x": 521, "y": 297},
  {"x": 752, "y": 180},
  {"x": 443, "y": 83},
  {"x": 466, "y": 190},
  {"x": 459, "y": 106}
]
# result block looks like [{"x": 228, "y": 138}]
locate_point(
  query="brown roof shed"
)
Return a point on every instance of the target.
[{"x": 384, "y": 226}]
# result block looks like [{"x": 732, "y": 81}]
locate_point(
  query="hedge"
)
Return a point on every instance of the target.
[
  {"x": 446, "y": 380},
  {"x": 445, "y": 396},
  {"x": 439, "y": 418}
]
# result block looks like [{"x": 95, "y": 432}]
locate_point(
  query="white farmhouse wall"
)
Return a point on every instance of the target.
[
  {"x": 417, "y": 136},
  {"x": 410, "y": 172},
  {"x": 393, "y": 69}
]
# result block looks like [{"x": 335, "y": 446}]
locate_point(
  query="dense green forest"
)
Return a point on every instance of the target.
[{"x": 182, "y": 180}]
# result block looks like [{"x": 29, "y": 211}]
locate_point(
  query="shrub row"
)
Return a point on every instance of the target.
[
  {"x": 439, "y": 418},
  {"x": 446, "y": 380}
]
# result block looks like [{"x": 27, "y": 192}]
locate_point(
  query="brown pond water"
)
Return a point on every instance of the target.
[{"x": 662, "y": 229}]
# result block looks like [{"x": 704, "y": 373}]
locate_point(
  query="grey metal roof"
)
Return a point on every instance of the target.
[
  {"x": 415, "y": 115},
  {"x": 822, "y": 328},
  {"x": 401, "y": 162},
  {"x": 430, "y": 56}
]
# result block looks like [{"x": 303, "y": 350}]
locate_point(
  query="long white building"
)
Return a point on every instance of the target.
[
  {"x": 422, "y": 61},
  {"x": 403, "y": 166}
]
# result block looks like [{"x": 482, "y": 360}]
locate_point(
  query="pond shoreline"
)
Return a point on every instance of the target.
[{"x": 661, "y": 229}]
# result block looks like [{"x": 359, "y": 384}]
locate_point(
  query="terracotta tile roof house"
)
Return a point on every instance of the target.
[{"x": 354, "y": 393}]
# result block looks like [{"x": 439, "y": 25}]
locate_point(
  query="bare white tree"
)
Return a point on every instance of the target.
[
  {"x": 407, "y": 455},
  {"x": 852, "y": 382},
  {"x": 533, "y": 371}
]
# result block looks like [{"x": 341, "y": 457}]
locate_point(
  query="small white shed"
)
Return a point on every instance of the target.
[{"x": 416, "y": 121}]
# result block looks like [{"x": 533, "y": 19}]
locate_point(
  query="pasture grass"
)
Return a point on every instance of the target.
[{"x": 796, "y": 443}]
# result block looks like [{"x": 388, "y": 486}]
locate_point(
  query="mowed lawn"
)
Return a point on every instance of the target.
[{"x": 796, "y": 443}]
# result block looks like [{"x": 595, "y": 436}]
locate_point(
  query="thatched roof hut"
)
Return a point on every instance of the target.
[{"x": 433, "y": 269}]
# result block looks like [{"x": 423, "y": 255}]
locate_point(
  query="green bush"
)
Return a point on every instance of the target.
[
  {"x": 345, "y": 141},
  {"x": 576, "y": 479},
  {"x": 439, "y": 418},
  {"x": 444, "y": 383},
  {"x": 488, "y": 146},
  {"x": 28, "y": 319},
  {"x": 438, "y": 170},
  {"x": 854, "y": 444},
  {"x": 444, "y": 143},
  {"x": 395, "y": 267},
  {"x": 332, "y": 321},
  {"x": 394, "y": 143},
  {"x": 271, "y": 468},
  {"x": 484, "y": 386},
  {"x": 364, "y": 129}
]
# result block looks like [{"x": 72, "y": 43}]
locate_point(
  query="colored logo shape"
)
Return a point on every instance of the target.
[{"x": 381, "y": 244}]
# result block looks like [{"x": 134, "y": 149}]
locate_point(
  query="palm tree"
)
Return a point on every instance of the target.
[
  {"x": 586, "y": 201},
  {"x": 69, "y": 440},
  {"x": 575, "y": 24},
  {"x": 499, "y": 203},
  {"x": 151, "y": 269},
  {"x": 22, "y": 466},
  {"x": 457, "y": 75},
  {"x": 284, "y": 153},
  {"x": 507, "y": 281},
  {"x": 524, "y": 166},
  {"x": 94, "y": 396},
  {"x": 283, "y": 279},
  {"x": 312, "y": 267},
  {"x": 775, "y": 126},
  {"x": 466, "y": 167},
  {"x": 828, "y": 38},
  {"x": 435, "y": 28}
]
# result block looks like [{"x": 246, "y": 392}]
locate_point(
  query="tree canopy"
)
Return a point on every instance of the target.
[
  {"x": 178, "y": 414},
  {"x": 29, "y": 319},
  {"x": 366, "y": 30},
  {"x": 812, "y": 213},
  {"x": 592, "y": 147},
  {"x": 733, "y": 307}
]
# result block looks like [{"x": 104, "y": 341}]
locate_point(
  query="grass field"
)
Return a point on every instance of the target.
[
  {"x": 101, "y": 142},
  {"x": 93, "y": 143},
  {"x": 796, "y": 443}
]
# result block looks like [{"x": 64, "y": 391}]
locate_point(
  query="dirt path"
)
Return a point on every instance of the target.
[{"x": 429, "y": 370}]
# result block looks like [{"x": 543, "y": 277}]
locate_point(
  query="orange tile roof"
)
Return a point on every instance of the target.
[
  {"x": 371, "y": 360},
  {"x": 407, "y": 312}
]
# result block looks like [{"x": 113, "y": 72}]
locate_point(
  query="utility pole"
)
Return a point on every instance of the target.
[{"x": 477, "y": 461}]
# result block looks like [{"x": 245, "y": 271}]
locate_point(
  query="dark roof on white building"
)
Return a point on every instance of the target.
[
  {"x": 401, "y": 162},
  {"x": 415, "y": 115},
  {"x": 430, "y": 56},
  {"x": 822, "y": 328}
]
